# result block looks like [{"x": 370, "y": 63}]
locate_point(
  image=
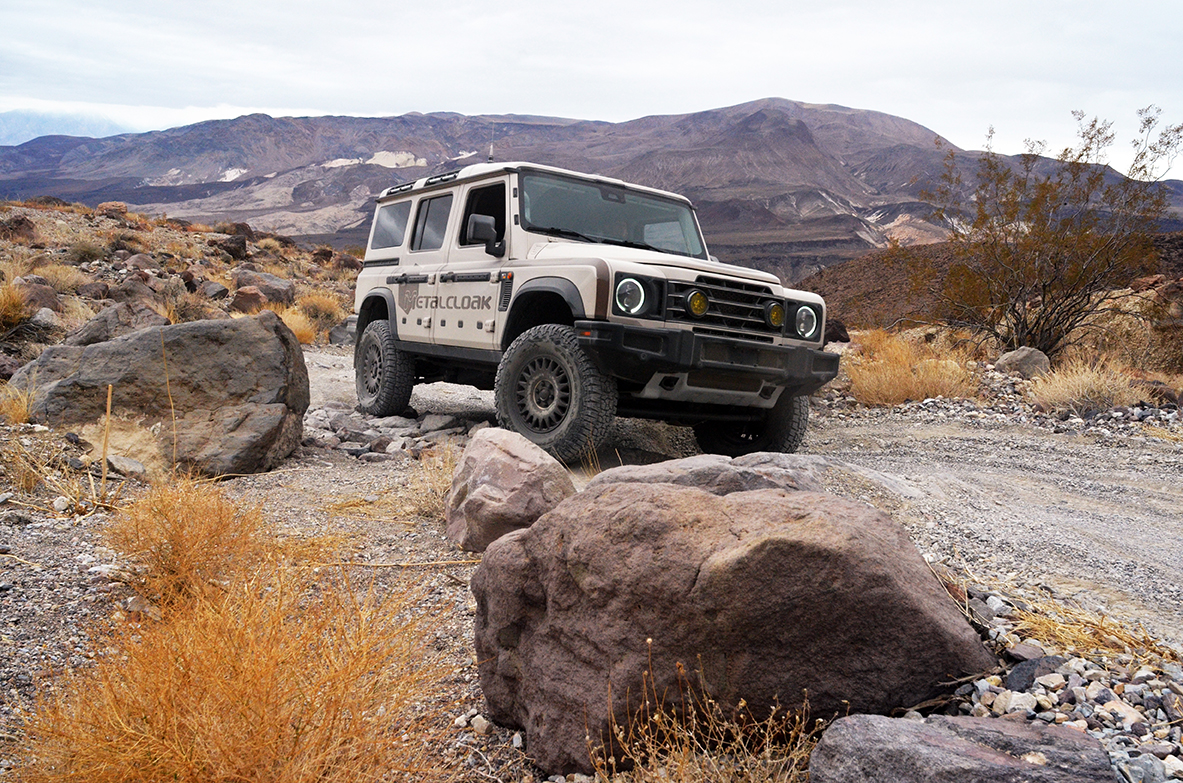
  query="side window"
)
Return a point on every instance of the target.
[
  {"x": 431, "y": 223},
  {"x": 485, "y": 201},
  {"x": 390, "y": 225}
]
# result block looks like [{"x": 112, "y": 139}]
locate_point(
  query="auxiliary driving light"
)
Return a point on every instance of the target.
[
  {"x": 697, "y": 303},
  {"x": 774, "y": 315}
]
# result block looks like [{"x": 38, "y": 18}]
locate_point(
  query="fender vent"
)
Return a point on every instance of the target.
[{"x": 506, "y": 294}]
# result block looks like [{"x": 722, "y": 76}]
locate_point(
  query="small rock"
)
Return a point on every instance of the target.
[
  {"x": 481, "y": 725},
  {"x": 62, "y": 504},
  {"x": 1025, "y": 651}
]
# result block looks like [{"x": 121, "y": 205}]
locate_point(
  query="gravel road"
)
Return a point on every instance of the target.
[{"x": 1098, "y": 520}]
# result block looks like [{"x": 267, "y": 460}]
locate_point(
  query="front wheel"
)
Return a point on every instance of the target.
[
  {"x": 548, "y": 390},
  {"x": 383, "y": 375},
  {"x": 782, "y": 429}
]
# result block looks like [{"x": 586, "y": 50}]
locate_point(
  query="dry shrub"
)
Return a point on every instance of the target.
[
  {"x": 702, "y": 743},
  {"x": 280, "y": 679},
  {"x": 1078, "y": 632},
  {"x": 422, "y": 496},
  {"x": 83, "y": 251},
  {"x": 23, "y": 468},
  {"x": 1083, "y": 388},
  {"x": 889, "y": 371},
  {"x": 322, "y": 308},
  {"x": 12, "y": 306},
  {"x": 270, "y": 245},
  {"x": 186, "y": 537},
  {"x": 64, "y": 279},
  {"x": 302, "y": 327},
  {"x": 14, "y": 403}
]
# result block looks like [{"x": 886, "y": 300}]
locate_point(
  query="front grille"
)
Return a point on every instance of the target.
[{"x": 736, "y": 308}]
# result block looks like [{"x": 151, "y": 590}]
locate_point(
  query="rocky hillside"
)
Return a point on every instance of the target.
[{"x": 781, "y": 185}]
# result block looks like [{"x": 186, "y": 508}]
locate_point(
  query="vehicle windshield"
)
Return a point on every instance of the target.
[{"x": 598, "y": 212}]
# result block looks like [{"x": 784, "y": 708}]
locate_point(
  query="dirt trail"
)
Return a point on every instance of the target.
[
  {"x": 1100, "y": 521},
  {"x": 1097, "y": 521}
]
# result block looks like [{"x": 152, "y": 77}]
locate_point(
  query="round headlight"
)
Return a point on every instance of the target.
[
  {"x": 697, "y": 303},
  {"x": 630, "y": 296},
  {"x": 806, "y": 322},
  {"x": 774, "y": 315}
]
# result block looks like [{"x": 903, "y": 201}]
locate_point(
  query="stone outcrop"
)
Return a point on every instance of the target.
[
  {"x": 877, "y": 749},
  {"x": 115, "y": 321},
  {"x": 503, "y": 482},
  {"x": 770, "y": 592},
  {"x": 238, "y": 389}
]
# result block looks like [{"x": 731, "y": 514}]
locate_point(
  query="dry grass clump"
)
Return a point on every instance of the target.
[
  {"x": 1079, "y": 632},
  {"x": 889, "y": 371},
  {"x": 322, "y": 308},
  {"x": 64, "y": 279},
  {"x": 422, "y": 496},
  {"x": 303, "y": 328},
  {"x": 280, "y": 680},
  {"x": 186, "y": 537},
  {"x": 12, "y": 306},
  {"x": 259, "y": 668},
  {"x": 83, "y": 251},
  {"x": 1082, "y": 388},
  {"x": 14, "y": 403},
  {"x": 703, "y": 743}
]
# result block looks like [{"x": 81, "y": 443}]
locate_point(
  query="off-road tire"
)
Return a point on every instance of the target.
[
  {"x": 383, "y": 374},
  {"x": 782, "y": 429},
  {"x": 548, "y": 389}
]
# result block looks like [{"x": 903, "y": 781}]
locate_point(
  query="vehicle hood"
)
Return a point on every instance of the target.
[{"x": 588, "y": 250}]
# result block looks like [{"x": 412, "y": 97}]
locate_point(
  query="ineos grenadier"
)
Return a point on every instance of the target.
[{"x": 576, "y": 298}]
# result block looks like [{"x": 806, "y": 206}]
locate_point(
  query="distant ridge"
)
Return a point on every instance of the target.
[{"x": 784, "y": 186}]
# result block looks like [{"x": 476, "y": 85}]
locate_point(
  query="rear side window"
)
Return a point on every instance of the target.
[
  {"x": 431, "y": 223},
  {"x": 390, "y": 225}
]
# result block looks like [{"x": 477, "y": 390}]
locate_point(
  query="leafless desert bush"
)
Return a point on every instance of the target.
[{"x": 701, "y": 743}]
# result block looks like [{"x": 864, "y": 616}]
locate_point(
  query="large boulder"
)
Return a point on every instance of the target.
[
  {"x": 1026, "y": 362},
  {"x": 120, "y": 319},
  {"x": 877, "y": 749},
  {"x": 769, "y": 593},
  {"x": 503, "y": 482},
  {"x": 276, "y": 289},
  {"x": 722, "y": 475},
  {"x": 238, "y": 389}
]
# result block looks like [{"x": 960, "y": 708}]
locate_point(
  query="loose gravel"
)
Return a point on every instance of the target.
[{"x": 1082, "y": 510}]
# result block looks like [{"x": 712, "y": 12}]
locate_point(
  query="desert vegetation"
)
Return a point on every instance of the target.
[
  {"x": 1040, "y": 247},
  {"x": 248, "y": 661}
]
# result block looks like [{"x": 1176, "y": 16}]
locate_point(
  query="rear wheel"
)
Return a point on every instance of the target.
[
  {"x": 549, "y": 390},
  {"x": 383, "y": 374},
  {"x": 782, "y": 429}
]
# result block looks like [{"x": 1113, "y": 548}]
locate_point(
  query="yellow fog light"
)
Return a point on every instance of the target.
[
  {"x": 697, "y": 303},
  {"x": 774, "y": 315}
]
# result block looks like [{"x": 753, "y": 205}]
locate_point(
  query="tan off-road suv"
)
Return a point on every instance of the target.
[{"x": 577, "y": 298}]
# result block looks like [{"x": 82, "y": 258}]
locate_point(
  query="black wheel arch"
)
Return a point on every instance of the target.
[
  {"x": 543, "y": 300},
  {"x": 378, "y": 305}
]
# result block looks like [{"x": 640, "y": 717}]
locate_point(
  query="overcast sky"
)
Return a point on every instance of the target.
[{"x": 955, "y": 66}]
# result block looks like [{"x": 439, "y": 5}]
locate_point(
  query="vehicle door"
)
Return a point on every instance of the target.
[
  {"x": 467, "y": 291},
  {"x": 415, "y": 284}
]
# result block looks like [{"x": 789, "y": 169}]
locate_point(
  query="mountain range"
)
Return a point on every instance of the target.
[{"x": 780, "y": 185}]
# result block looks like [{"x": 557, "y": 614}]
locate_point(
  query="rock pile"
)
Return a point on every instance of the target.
[{"x": 337, "y": 425}]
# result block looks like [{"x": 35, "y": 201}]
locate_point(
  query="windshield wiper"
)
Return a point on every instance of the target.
[
  {"x": 630, "y": 243},
  {"x": 561, "y": 232}
]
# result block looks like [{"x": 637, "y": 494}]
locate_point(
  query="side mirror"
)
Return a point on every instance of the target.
[{"x": 483, "y": 228}]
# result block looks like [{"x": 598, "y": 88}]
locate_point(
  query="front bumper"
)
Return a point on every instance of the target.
[{"x": 637, "y": 354}]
